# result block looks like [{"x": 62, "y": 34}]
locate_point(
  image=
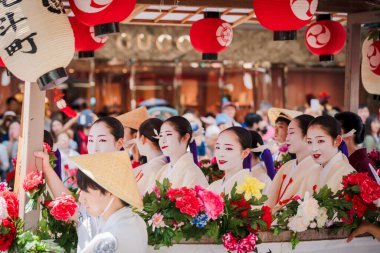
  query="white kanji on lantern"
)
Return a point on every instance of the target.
[
  {"x": 318, "y": 36},
  {"x": 304, "y": 9},
  {"x": 92, "y": 6},
  {"x": 224, "y": 34}
]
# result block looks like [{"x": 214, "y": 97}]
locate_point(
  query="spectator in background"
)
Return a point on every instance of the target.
[
  {"x": 13, "y": 105},
  {"x": 229, "y": 108},
  {"x": 8, "y": 118},
  {"x": 211, "y": 136},
  {"x": 252, "y": 120},
  {"x": 371, "y": 139},
  {"x": 4, "y": 162},
  {"x": 223, "y": 121},
  {"x": 363, "y": 112},
  {"x": 12, "y": 144},
  {"x": 208, "y": 120}
]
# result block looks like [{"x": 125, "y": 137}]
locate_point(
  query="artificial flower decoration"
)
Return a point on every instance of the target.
[
  {"x": 211, "y": 170},
  {"x": 251, "y": 187},
  {"x": 64, "y": 207},
  {"x": 34, "y": 186}
]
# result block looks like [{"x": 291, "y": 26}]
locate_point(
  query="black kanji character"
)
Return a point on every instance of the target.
[
  {"x": 9, "y": 3},
  {"x": 12, "y": 23},
  {"x": 17, "y": 45}
]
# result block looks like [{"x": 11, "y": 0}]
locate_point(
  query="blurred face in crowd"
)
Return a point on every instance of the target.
[
  {"x": 56, "y": 126},
  {"x": 228, "y": 152},
  {"x": 63, "y": 141},
  {"x": 171, "y": 142},
  {"x": 281, "y": 130},
  {"x": 101, "y": 140},
  {"x": 322, "y": 146},
  {"x": 295, "y": 140},
  {"x": 363, "y": 113},
  {"x": 375, "y": 126},
  {"x": 230, "y": 111}
]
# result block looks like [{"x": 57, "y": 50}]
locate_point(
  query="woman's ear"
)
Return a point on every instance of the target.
[
  {"x": 142, "y": 139},
  {"x": 245, "y": 153},
  {"x": 186, "y": 138},
  {"x": 119, "y": 143},
  {"x": 338, "y": 141}
]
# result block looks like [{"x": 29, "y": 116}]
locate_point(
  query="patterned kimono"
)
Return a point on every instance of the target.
[{"x": 146, "y": 174}]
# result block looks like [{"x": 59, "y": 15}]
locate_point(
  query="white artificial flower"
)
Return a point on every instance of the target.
[
  {"x": 313, "y": 225},
  {"x": 297, "y": 224},
  {"x": 3, "y": 209},
  {"x": 308, "y": 208},
  {"x": 322, "y": 217}
]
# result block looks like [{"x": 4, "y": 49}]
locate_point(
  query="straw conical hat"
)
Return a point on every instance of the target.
[
  {"x": 134, "y": 118},
  {"x": 274, "y": 113},
  {"x": 112, "y": 171}
]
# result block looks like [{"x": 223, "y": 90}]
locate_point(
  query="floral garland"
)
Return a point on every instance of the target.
[
  {"x": 175, "y": 214},
  {"x": 284, "y": 157},
  {"x": 346, "y": 209},
  {"x": 53, "y": 225},
  {"x": 211, "y": 170}
]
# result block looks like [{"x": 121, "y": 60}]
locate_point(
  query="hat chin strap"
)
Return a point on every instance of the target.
[{"x": 108, "y": 206}]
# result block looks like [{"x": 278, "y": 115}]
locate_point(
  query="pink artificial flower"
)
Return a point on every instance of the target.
[
  {"x": 283, "y": 148},
  {"x": 32, "y": 181},
  {"x": 155, "y": 189},
  {"x": 247, "y": 244},
  {"x": 4, "y": 187},
  {"x": 211, "y": 203},
  {"x": 157, "y": 221},
  {"x": 64, "y": 207},
  {"x": 213, "y": 160}
]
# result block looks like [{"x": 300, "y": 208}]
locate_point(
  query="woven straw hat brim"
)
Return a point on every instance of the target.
[
  {"x": 134, "y": 118},
  {"x": 112, "y": 171},
  {"x": 274, "y": 113}
]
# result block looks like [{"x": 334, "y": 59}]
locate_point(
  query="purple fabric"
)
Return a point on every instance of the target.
[
  {"x": 247, "y": 162},
  {"x": 267, "y": 158},
  {"x": 57, "y": 167},
  {"x": 194, "y": 151},
  {"x": 343, "y": 148}
]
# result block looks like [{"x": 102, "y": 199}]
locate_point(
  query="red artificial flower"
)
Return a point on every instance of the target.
[
  {"x": 11, "y": 176},
  {"x": 188, "y": 204},
  {"x": 14, "y": 162},
  {"x": 350, "y": 218},
  {"x": 354, "y": 179},
  {"x": 172, "y": 194},
  {"x": 213, "y": 160},
  {"x": 47, "y": 147},
  {"x": 370, "y": 191},
  {"x": 62, "y": 208},
  {"x": 7, "y": 239},
  {"x": 247, "y": 244},
  {"x": 4, "y": 187},
  {"x": 242, "y": 203},
  {"x": 267, "y": 215},
  {"x": 135, "y": 164},
  {"x": 32, "y": 181},
  {"x": 358, "y": 206},
  {"x": 155, "y": 189},
  {"x": 12, "y": 203}
]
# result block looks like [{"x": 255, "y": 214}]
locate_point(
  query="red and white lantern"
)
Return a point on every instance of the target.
[
  {"x": 325, "y": 37},
  {"x": 85, "y": 41},
  {"x": 371, "y": 66},
  {"x": 104, "y": 15},
  {"x": 284, "y": 17},
  {"x": 211, "y": 35},
  {"x": 36, "y": 41}
]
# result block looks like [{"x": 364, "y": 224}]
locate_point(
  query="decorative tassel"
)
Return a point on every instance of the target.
[
  {"x": 62, "y": 106},
  {"x": 247, "y": 162},
  {"x": 343, "y": 148},
  {"x": 267, "y": 158},
  {"x": 194, "y": 151}
]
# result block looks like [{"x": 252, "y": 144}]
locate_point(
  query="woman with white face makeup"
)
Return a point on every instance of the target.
[
  {"x": 232, "y": 147},
  {"x": 175, "y": 136},
  {"x": 105, "y": 135},
  {"x": 147, "y": 144},
  {"x": 298, "y": 175},
  {"x": 323, "y": 139}
]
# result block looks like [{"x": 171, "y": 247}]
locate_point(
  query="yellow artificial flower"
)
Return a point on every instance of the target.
[{"x": 251, "y": 187}]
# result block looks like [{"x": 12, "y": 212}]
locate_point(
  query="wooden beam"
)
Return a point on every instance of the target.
[
  {"x": 138, "y": 9},
  {"x": 163, "y": 14},
  {"x": 243, "y": 19},
  {"x": 191, "y": 15}
]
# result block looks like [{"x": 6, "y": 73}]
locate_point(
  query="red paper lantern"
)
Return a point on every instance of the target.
[
  {"x": 325, "y": 37},
  {"x": 284, "y": 17},
  {"x": 211, "y": 35},
  {"x": 104, "y": 15},
  {"x": 85, "y": 41}
]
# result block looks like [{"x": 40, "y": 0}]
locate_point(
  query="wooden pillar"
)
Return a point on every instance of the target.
[
  {"x": 31, "y": 140},
  {"x": 352, "y": 75}
]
